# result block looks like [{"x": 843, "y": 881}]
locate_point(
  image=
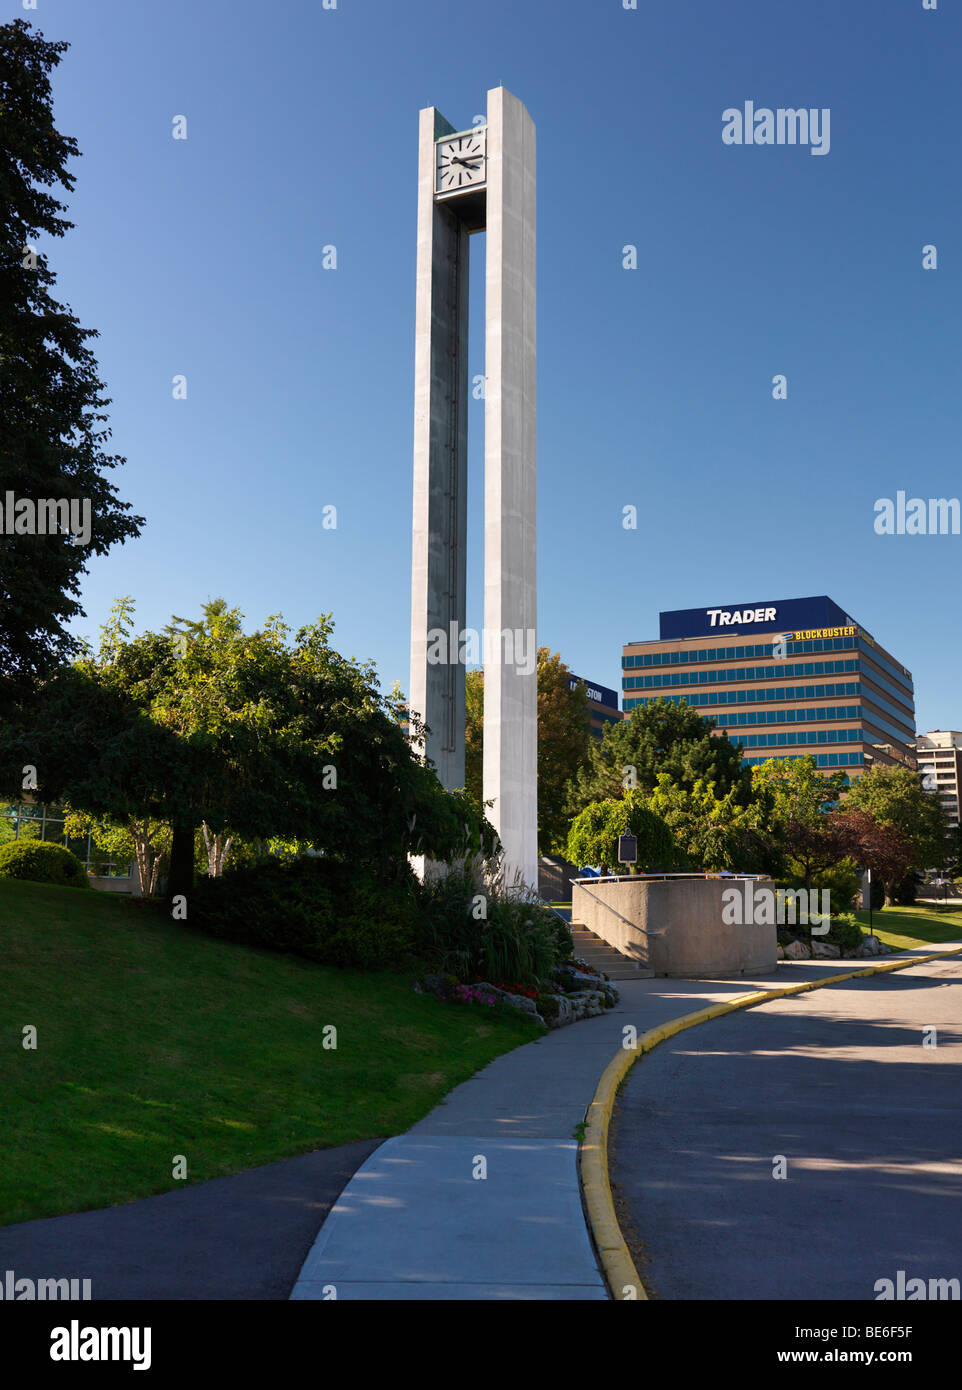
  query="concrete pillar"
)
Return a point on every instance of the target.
[
  {"x": 440, "y": 462},
  {"x": 510, "y": 486}
]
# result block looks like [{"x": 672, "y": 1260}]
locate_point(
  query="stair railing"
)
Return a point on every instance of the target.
[{"x": 608, "y": 908}]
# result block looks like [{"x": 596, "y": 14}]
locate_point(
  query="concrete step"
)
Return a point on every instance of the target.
[{"x": 604, "y": 957}]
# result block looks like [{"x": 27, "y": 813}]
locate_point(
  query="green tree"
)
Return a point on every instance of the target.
[
  {"x": 794, "y": 800},
  {"x": 712, "y": 832},
  {"x": 142, "y": 840},
  {"x": 662, "y": 738},
  {"x": 474, "y": 732},
  {"x": 594, "y": 833},
  {"x": 52, "y": 406},
  {"x": 564, "y": 737},
  {"x": 884, "y": 849},
  {"x": 248, "y": 733},
  {"x": 895, "y": 797}
]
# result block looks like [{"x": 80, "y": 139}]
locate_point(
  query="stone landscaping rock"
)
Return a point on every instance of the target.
[
  {"x": 870, "y": 947},
  {"x": 780, "y": 951},
  {"x": 587, "y": 1003},
  {"x": 824, "y": 950},
  {"x": 579, "y": 977},
  {"x": 566, "y": 1013},
  {"x": 517, "y": 1001},
  {"x": 582, "y": 1003},
  {"x": 797, "y": 950}
]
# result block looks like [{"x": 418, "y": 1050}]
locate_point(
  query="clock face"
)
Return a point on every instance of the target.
[{"x": 460, "y": 162}]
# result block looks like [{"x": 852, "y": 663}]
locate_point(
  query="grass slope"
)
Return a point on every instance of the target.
[
  {"x": 907, "y": 928},
  {"x": 153, "y": 1042}
]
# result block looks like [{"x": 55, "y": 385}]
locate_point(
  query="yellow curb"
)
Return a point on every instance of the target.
[{"x": 624, "y": 1281}]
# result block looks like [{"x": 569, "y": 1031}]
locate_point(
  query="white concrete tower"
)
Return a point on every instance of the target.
[{"x": 469, "y": 181}]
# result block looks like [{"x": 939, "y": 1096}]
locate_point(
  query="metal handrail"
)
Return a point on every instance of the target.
[
  {"x": 643, "y": 878},
  {"x": 634, "y": 925}
]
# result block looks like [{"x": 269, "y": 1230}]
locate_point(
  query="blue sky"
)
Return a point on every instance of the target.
[{"x": 203, "y": 257}]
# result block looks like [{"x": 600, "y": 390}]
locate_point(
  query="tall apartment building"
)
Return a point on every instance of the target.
[
  {"x": 939, "y": 755},
  {"x": 785, "y": 678}
]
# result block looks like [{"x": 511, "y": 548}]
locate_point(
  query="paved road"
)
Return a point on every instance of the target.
[
  {"x": 868, "y": 1119},
  {"x": 243, "y": 1237},
  {"x": 417, "y": 1223}
]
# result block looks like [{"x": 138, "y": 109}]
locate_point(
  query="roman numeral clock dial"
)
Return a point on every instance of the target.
[{"x": 460, "y": 162}]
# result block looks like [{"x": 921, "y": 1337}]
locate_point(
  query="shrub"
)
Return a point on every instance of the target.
[
  {"x": 474, "y": 929},
  {"x": 42, "y": 862},
  {"x": 844, "y": 932},
  {"x": 312, "y": 907},
  {"x": 842, "y": 882},
  {"x": 905, "y": 893},
  {"x": 548, "y": 1006}
]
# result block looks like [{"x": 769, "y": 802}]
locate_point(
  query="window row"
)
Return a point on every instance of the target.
[
  {"x": 821, "y": 759},
  {"x": 742, "y": 673},
  {"x": 754, "y": 649},
  {"x": 831, "y": 691},
  {"x": 787, "y": 716},
  {"x": 798, "y": 736}
]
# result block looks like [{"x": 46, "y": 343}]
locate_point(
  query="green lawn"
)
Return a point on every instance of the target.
[
  {"x": 907, "y": 928},
  {"x": 154, "y": 1041}
]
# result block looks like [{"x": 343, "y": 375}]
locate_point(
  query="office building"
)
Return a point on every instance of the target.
[
  {"x": 602, "y": 704},
  {"x": 785, "y": 678}
]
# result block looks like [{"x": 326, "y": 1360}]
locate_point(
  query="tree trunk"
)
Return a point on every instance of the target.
[
  {"x": 142, "y": 849},
  {"x": 180, "y": 877},
  {"x": 217, "y": 847}
]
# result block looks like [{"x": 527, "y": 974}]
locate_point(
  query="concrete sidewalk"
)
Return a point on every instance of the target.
[{"x": 480, "y": 1199}]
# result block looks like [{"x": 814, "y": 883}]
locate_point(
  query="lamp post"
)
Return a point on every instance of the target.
[{"x": 868, "y": 875}]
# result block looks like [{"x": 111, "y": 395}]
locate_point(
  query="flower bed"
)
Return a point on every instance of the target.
[{"x": 571, "y": 995}]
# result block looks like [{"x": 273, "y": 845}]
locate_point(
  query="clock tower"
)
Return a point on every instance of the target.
[{"x": 482, "y": 179}]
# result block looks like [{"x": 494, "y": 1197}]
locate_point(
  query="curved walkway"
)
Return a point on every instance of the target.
[{"x": 480, "y": 1199}]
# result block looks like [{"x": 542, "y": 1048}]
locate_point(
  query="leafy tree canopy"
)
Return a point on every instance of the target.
[
  {"x": 895, "y": 797},
  {"x": 594, "y": 834},
  {"x": 251, "y": 732},
  {"x": 663, "y": 738},
  {"x": 714, "y": 832}
]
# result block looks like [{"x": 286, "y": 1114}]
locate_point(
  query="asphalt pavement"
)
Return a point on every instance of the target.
[
  {"x": 837, "y": 1083},
  {"x": 241, "y": 1237}
]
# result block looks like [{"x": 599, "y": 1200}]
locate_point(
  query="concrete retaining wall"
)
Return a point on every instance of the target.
[{"x": 696, "y": 942}]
